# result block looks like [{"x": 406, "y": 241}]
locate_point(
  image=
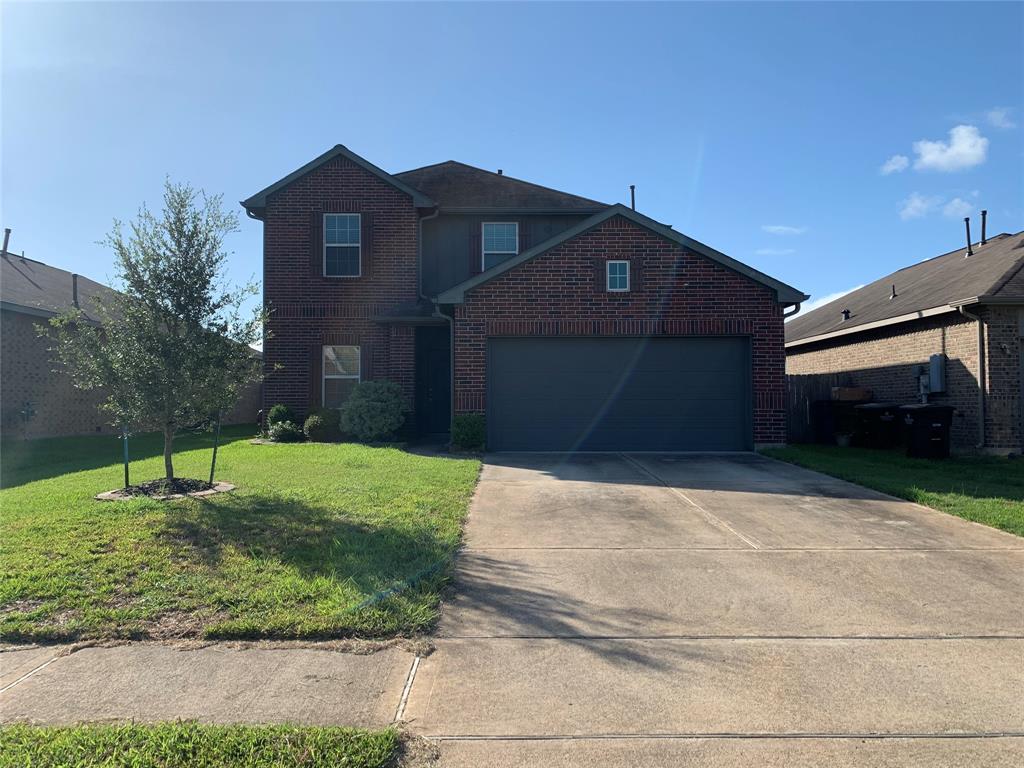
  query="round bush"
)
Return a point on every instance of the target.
[
  {"x": 323, "y": 426},
  {"x": 373, "y": 411},
  {"x": 469, "y": 432},
  {"x": 285, "y": 432},
  {"x": 279, "y": 413}
]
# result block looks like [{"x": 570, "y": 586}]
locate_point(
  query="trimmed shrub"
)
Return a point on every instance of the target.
[
  {"x": 279, "y": 413},
  {"x": 323, "y": 426},
  {"x": 285, "y": 432},
  {"x": 373, "y": 411},
  {"x": 469, "y": 432}
]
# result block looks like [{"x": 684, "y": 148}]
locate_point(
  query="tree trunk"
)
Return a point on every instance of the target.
[{"x": 168, "y": 447}]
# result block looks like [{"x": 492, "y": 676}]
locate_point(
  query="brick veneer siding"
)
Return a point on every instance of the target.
[
  {"x": 681, "y": 294},
  {"x": 309, "y": 310},
  {"x": 885, "y": 360},
  {"x": 27, "y": 375}
]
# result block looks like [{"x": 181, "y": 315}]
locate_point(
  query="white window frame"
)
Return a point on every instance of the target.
[
  {"x": 483, "y": 249},
  {"x": 323, "y": 238},
  {"x": 324, "y": 376},
  {"x": 608, "y": 275}
]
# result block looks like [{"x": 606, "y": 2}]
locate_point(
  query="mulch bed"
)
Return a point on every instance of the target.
[{"x": 162, "y": 490}]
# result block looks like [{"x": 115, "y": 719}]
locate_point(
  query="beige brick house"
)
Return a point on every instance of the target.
[
  {"x": 35, "y": 400},
  {"x": 967, "y": 305}
]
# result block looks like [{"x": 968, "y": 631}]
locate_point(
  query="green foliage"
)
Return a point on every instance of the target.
[
  {"x": 191, "y": 745},
  {"x": 469, "y": 432},
  {"x": 286, "y": 432},
  {"x": 279, "y": 413},
  {"x": 323, "y": 425},
  {"x": 374, "y": 411},
  {"x": 985, "y": 489},
  {"x": 172, "y": 348},
  {"x": 318, "y": 540}
]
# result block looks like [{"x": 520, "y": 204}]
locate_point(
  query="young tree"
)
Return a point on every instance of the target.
[{"x": 172, "y": 349}]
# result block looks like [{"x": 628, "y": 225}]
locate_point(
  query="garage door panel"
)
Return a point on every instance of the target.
[{"x": 688, "y": 393}]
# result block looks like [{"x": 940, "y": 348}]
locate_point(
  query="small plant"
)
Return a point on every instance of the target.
[
  {"x": 285, "y": 432},
  {"x": 469, "y": 432},
  {"x": 373, "y": 411},
  {"x": 323, "y": 426},
  {"x": 279, "y": 413}
]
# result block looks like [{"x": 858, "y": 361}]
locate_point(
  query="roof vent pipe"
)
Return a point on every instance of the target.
[
  {"x": 74, "y": 290},
  {"x": 967, "y": 223},
  {"x": 7, "y": 239},
  {"x": 984, "y": 215},
  {"x": 500, "y": 172},
  {"x": 893, "y": 294},
  {"x": 846, "y": 315},
  {"x": 632, "y": 196}
]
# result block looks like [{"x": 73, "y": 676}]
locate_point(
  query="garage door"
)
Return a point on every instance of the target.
[{"x": 619, "y": 394}]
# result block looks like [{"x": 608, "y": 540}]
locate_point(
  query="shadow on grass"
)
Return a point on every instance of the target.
[
  {"x": 25, "y": 461},
  {"x": 396, "y": 572}
]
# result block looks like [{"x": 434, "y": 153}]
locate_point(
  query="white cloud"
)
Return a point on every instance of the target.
[
  {"x": 826, "y": 299},
  {"x": 999, "y": 117},
  {"x": 957, "y": 208},
  {"x": 774, "y": 251},
  {"x": 966, "y": 148},
  {"x": 895, "y": 164},
  {"x": 782, "y": 229},
  {"x": 918, "y": 205}
]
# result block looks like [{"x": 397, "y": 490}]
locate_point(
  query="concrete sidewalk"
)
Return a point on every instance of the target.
[{"x": 218, "y": 683}]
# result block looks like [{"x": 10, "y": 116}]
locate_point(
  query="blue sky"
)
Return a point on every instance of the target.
[{"x": 825, "y": 144}]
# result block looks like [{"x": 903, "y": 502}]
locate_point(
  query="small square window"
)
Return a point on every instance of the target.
[
  {"x": 342, "y": 242},
  {"x": 341, "y": 373},
  {"x": 500, "y": 242},
  {"x": 618, "y": 276}
]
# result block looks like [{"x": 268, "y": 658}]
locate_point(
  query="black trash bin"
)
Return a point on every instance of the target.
[
  {"x": 878, "y": 425},
  {"x": 926, "y": 429},
  {"x": 832, "y": 417}
]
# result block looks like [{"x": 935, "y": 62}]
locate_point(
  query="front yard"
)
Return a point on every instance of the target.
[
  {"x": 189, "y": 745},
  {"x": 318, "y": 540},
  {"x": 987, "y": 490}
]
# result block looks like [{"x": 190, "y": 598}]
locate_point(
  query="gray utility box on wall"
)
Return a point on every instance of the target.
[{"x": 937, "y": 373}]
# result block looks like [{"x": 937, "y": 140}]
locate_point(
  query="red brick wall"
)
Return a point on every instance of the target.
[
  {"x": 681, "y": 294},
  {"x": 309, "y": 310},
  {"x": 886, "y": 360}
]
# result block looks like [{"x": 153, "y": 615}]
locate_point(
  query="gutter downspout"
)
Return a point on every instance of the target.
[
  {"x": 451, "y": 368},
  {"x": 981, "y": 374},
  {"x": 796, "y": 308}
]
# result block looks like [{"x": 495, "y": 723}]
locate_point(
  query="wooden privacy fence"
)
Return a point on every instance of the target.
[{"x": 801, "y": 391}]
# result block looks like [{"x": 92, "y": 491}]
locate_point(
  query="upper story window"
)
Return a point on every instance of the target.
[
  {"x": 341, "y": 373},
  {"x": 618, "y": 276},
  {"x": 342, "y": 245},
  {"x": 501, "y": 242}
]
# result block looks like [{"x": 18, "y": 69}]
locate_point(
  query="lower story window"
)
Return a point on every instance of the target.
[{"x": 341, "y": 374}]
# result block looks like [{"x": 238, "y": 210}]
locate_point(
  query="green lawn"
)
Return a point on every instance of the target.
[
  {"x": 988, "y": 489},
  {"x": 318, "y": 541},
  {"x": 189, "y": 745}
]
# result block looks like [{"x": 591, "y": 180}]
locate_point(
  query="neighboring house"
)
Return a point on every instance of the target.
[
  {"x": 969, "y": 308},
  {"x": 36, "y": 398},
  {"x": 569, "y": 323}
]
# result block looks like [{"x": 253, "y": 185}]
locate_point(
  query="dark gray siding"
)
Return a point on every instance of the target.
[
  {"x": 610, "y": 394},
  {"x": 451, "y": 247}
]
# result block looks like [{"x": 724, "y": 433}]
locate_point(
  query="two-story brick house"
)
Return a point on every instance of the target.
[{"x": 569, "y": 323}]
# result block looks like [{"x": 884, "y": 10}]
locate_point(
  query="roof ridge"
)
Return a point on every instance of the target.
[{"x": 507, "y": 177}]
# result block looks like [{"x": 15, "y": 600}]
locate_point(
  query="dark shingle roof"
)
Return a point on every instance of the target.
[
  {"x": 453, "y": 186},
  {"x": 942, "y": 281},
  {"x": 30, "y": 286}
]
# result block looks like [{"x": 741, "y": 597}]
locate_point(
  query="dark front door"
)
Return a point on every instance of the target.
[
  {"x": 619, "y": 394},
  {"x": 433, "y": 379}
]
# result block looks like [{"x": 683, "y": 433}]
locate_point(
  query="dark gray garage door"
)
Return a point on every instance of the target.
[{"x": 619, "y": 394}]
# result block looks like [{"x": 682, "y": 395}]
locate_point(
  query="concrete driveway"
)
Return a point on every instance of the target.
[{"x": 727, "y": 610}]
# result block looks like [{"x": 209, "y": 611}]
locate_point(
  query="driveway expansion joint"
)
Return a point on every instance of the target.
[{"x": 727, "y": 736}]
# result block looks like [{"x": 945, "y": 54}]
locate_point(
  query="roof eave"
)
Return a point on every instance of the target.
[
  {"x": 258, "y": 201},
  {"x": 904, "y": 318}
]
